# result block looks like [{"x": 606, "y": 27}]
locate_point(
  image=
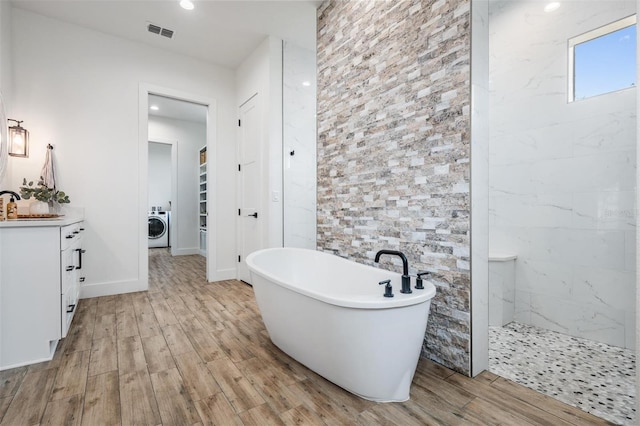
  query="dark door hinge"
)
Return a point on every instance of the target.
[
  {"x": 238, "y": 123},
  {"x": 238, "y": 212},
  {"x": 239, "y": 167},
  {"x": 238, "y": 258}
]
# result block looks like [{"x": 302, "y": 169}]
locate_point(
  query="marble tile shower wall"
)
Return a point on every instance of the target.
[
  {"x": 393, "y": 147},
  {"x": 299, "y": 135},
  {"x": 562, "y": 175}
]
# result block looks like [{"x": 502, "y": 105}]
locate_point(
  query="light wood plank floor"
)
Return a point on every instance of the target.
[{"x": 190, "y": 352}]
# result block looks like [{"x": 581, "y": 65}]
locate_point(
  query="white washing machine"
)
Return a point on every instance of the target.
[{"x": 159, "y": 229}]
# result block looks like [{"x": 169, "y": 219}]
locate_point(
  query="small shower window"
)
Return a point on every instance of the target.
[{"x": 603, "y": 60}]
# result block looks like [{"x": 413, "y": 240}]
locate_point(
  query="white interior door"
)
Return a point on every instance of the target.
[{"x": 250, "y": 170}]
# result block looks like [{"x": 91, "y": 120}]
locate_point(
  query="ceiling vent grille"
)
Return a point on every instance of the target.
[{"x": 155, "y": 29}]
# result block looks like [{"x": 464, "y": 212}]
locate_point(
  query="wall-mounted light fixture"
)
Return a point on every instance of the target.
[{"x": 18, "y": 140}]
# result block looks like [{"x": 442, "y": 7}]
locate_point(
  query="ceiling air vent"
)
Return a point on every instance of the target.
[{"x": 156, "y": 29}]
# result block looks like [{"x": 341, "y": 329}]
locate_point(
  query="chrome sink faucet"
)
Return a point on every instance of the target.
[{"x": 406, "y": 280}]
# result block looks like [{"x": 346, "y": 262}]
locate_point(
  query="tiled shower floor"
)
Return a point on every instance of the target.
[{"x": 595, "y": 377}]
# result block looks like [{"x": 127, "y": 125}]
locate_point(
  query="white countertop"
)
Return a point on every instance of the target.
[
  {"x": 69, "y": 215},
  {"x": 34, "y": 223}
]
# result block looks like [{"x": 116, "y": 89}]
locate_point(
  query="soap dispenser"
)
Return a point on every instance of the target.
[{"x": 12, "y": 209}]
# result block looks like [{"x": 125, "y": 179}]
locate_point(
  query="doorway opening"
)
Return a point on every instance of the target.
[
  {"x": 175, "y": 128},
  {"x": 163, "y": 212}
]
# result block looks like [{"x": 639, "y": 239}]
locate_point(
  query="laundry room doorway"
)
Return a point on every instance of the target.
[
  {"x": 177, "y": 131},
  {"x": 163, "y": 213}
]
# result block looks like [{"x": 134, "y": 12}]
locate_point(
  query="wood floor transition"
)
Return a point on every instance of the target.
[{"x": 189, "y": 352}]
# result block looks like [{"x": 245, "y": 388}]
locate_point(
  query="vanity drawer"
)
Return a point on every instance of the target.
[
  {"x": 70, "y": 234},
  {"x": 68, "y": 269},
  {"x": 68, "y": 305}
]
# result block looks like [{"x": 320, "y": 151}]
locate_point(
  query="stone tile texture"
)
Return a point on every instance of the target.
[{"x": 394, "y": 146}]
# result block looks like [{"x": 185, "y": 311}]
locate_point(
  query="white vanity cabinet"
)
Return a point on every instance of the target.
[{"x": 40, "y": 274}]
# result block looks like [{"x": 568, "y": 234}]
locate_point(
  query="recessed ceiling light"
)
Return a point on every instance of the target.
[
  {"x": 552, "y": 6},
  {"x": 154, "y": 108},
  {"x": 187, "y": 4},
  {"x": 306, "y": 83}
]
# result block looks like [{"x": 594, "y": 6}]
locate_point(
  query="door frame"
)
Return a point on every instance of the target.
[
  {"x": 144, "y": 91},
  {"x": 175, "y": 206}
]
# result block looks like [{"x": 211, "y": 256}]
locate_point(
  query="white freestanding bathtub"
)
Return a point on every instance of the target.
[{"x": 330, "y": 314}]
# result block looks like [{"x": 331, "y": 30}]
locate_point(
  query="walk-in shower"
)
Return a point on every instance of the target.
[{"x": 562, "y": 173}]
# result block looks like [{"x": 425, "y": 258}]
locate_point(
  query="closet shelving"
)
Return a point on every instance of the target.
[{"x": 202, "y": 200}]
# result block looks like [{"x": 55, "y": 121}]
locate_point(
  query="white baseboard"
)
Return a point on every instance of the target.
[
  {"x": 224, "y": 274},
  {"x": 121, "y": 287},
  {"x": 109, "y": 289},
  {"x": 185, "y": 251}
]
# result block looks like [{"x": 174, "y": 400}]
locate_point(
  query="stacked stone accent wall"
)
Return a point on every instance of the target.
[{"x": 394, "y": 146}]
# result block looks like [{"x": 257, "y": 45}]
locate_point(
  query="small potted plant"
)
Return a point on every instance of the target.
[{"x": 47, "y": 199}]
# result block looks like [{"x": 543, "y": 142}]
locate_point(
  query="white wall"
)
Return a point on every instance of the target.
[
  {"x": 5, "y": 85},
  {"x": 190, "y": 138},
  {"x": 562, "y": 175},
  {"x": 6, "y": 74},
  {"x": 159, "y": 175},
  {"x": 299, "y": 136},
  {"x": 637, "y": 217},
  {"x": 261, "y": 73},
  {"x": 79, "y": 90}
]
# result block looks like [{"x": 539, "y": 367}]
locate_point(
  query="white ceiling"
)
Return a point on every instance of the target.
[
  {"x": 216, "y": 31},
  {"x": 178, "y": 110}
]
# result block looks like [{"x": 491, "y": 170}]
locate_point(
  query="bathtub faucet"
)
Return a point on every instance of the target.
[{"x": 406, "y": 280}]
